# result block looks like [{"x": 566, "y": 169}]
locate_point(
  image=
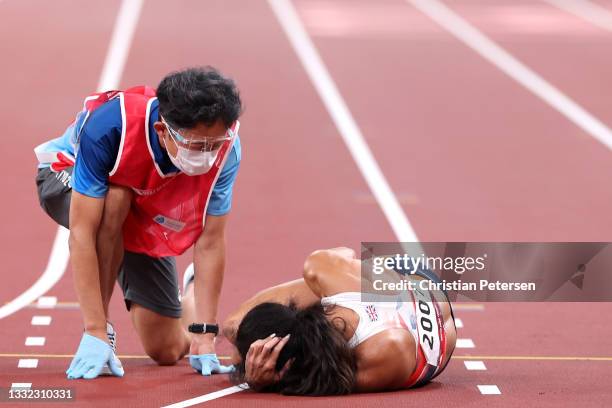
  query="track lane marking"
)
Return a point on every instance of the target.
[
  {"x": 122, "y": 356},
  {"x": 27, "y": 363},
  {"x": 474, "y": 365},
  {"x": 489, "y": 389},
  {"x": 455, "y": 357},
  {"x": 21, "y": 385},
  {"x": 464, "y": 343},
  {"x": 119, "y": 46},
  {"x": 587, "y": 10},
  {"x": 534, "y": 358},
  {"x": 468, "y": 306},
  {"x": 58, "y": 260},
  {"x": 45, "y": 302},
  {"x": 209, "y": 397},
  {"x": 114, "y": 63},
  {"x": 41, "y": 320},
  {"x": 515, "y": 69},
  {"x": 343, "y": 119},
  {"x": 347, "y": 127},
  {"x": 35, "y": 341}
]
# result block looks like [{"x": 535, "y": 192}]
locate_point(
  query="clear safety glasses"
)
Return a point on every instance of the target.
[{"x": 202, "y": 145}]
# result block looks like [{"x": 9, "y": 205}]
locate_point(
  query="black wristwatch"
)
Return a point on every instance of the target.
[{"x": 200, "y": 328}]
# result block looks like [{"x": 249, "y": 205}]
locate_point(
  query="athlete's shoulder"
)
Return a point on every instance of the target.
[{"x": 385, "y": 361}]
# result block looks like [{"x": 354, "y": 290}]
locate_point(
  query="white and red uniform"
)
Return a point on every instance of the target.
[{"x": 422, "y": 317}]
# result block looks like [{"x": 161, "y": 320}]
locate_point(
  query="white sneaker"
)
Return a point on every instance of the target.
[
  {"x": 188, "y": 277},
  {"x": 112, "y": 339}
]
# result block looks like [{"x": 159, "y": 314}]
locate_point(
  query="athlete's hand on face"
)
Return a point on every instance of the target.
[
  {"x": 90, "y": 358},
  {"x": 203, "y": 358},
  {"x": 260, "y": 364}
]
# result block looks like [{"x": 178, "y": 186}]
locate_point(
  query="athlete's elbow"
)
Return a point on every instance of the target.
[
  {"x": 310, "y": 272},
  {"x": 315, "y": 263}
]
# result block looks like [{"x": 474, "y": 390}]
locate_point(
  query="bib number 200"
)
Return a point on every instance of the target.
[{"x": 426, "y": 324}]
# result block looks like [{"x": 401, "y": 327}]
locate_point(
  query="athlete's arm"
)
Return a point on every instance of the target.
[
  {"x": 296, "y": 291},
  {"x": 331, "y": 271}
]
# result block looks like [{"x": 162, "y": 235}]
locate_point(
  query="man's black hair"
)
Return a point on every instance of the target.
[{"x": 198, "y": 95}]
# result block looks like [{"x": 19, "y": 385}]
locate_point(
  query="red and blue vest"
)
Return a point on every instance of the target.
[{"x": 168, "y": 212}]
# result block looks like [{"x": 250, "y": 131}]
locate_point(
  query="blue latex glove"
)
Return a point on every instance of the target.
[
  {"x": 90, "y": 358},
  {"x": 207, "y": 364}
]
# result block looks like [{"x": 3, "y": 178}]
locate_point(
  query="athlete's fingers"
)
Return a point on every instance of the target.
[
  {"x": 270, "y": 362},
  {"x": 262, "y": 357},
  {"x": 255, "y": 349},
  {"x": 277, "y": 348},
  {"x": 267, "y": 348}
]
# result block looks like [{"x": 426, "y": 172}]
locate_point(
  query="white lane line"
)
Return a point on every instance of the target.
[
  {"x": 46, "y": 302},
  {"x": 35, "y": 341},
  {"x": 119, "y": 47},
  {"x": 41, "y": 320},
  {"x": 458, "y": 323},
  {"x": 587, "y": 10},
  {"x": 470, "y": 307},
  {"x": 465, "y": 343},
  {"x": 343, "y": 119},
  {"x": 208, "y": 397},
  {"x": 27, "y": 363},
  {"x": 489, "y": 390},
  {"x": 114, "y": 63},
  {"x": 515, "y": 69},
  {"x": 350, "y": 132},
  {"x": 58, "y": 260},
  {"x": 475, "y": 365},
  {"x": 21, "y": 385}
]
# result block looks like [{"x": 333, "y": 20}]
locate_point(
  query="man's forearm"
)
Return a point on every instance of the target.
[
  {"x": 110, "y": 254},
  {"x": 87, "y": 281},
  {"x": 209, "y": 262}
]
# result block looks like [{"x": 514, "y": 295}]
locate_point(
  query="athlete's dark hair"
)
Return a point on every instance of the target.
[
  {"x": 198, "y": 95},
  {"x": 322, "y": 362}
]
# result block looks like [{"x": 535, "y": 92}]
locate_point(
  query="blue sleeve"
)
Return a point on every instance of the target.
[
  {"x": 221, "y": 198},
  {"x": 97, "y": 150}
]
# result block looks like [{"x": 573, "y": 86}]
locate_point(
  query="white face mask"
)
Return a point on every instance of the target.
[{"x": 193, "y": 163}]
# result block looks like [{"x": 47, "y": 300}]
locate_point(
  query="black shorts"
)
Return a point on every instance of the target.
[{"x": 147, "y": 281}]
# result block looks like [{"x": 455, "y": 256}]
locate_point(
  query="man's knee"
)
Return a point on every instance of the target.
[
  {"x": 165, "y": 356},
  {"x": 163, "y": 338}
]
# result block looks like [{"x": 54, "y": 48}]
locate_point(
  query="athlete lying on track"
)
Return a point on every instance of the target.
[{"x": 314, "y": 336}]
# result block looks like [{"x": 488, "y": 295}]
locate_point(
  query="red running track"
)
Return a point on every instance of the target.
[{"x": 470, "y": 154}]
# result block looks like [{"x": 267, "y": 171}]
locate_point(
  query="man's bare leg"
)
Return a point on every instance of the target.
[{"x": 165, "y": 339}]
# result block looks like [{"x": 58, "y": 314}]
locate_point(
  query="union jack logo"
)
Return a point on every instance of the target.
[{"x": 372, "y": 313}]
